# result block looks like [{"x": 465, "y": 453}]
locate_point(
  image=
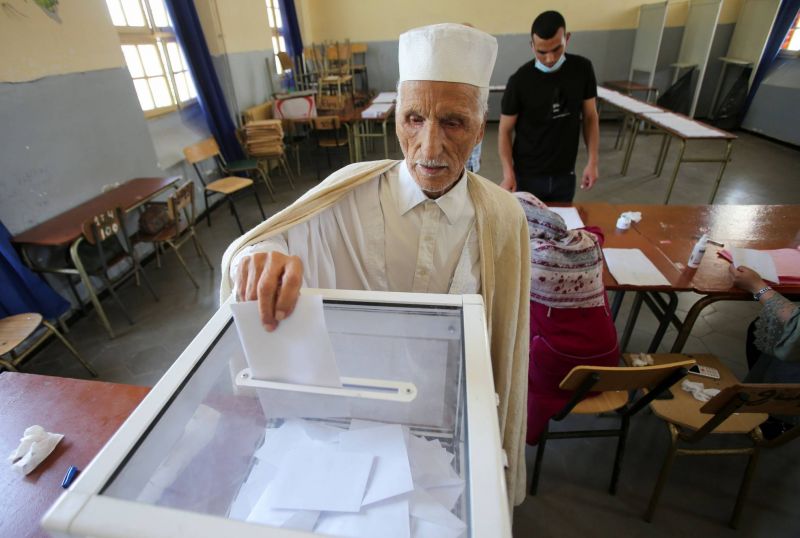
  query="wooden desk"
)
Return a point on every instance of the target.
[
  {"x": 86, "y": 412},
  {"x": 675, "y": 229},
  {"x": 685, "y": 129},
  {"x": 65, "y": 230}
]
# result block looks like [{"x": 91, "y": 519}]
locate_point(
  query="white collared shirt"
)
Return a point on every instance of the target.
[{"x": 387, "y": 235}]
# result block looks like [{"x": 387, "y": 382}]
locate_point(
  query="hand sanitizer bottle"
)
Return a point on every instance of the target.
[{"x": 697, "y": 252}]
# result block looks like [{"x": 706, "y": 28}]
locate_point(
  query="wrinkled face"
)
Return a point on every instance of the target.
[
  {"x": 438, "y": 124},
  {"x": 549, "y": 51}
]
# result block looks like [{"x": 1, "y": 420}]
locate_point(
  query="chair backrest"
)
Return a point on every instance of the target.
[
  {"x": 182, "y": 199},
  {"x": 286, "y": 61},
  {"x": 622, "y": 377},
  {"x": 257, "y": 113},
  {"x": 358, "y": 48},
  {"x": 326, "y": 123},
  {"x": 773, "y": 399},
  {"x": 101, "y": 226},
  {"x": 201, "y": 151}
]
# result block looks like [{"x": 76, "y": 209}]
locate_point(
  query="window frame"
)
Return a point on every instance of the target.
[
  {"x": 159, "y": 37},
  {"x": 277, "y": 32}
]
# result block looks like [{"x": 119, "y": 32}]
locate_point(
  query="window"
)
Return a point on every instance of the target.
[
  {"x": 155, "y": 60},
  {"x": 275, "y": 21},
  {"x": 792, "y": 41}
]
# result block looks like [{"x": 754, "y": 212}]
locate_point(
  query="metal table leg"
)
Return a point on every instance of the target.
[
  {"x": 692, "y": 315},
  {"x": 629, "y": 151},
  {"x": 631, "y": 323},
  {"x": 675, "y": 171},
  {"x": 722, "y": 167},
  {"x": 665, "y": 312},
  {"x": 76, "y": 260},
  {"x": 616, "y": 304}
]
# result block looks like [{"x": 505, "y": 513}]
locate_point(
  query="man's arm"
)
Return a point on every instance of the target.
[
  {"x": 591, "y": 136},
  {"x": 504, "y": 138}
]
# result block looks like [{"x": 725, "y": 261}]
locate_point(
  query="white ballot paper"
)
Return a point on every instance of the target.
[
  {"x": 570, "y": 215},
  {"x": 758, "y": 260},
  {"x": 630, "y": 266},
  {"x": 298, "y": 351}
]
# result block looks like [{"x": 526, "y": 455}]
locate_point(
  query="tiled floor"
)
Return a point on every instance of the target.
[{"x": 572, "y": 500}]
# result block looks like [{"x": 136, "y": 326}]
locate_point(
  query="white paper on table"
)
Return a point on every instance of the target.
[
  {"x": 321, "y": 478},
  {"x": 391, "y": 474},
  {"x": 570, "y": 215},
  {"x": 298, "y": 351},
  {"x": 629, "y": 266},
  {"x": 757, "y": 260},
  {"x": 385, "y": 97},
  {"x": 387, "y": 519}
]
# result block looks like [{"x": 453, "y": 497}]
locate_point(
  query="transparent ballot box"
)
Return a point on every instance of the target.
[{"x": 408, "y": 444}]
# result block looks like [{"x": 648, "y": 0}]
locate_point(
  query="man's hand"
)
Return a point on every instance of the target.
[
  {"x": 746, "y": 279},
  {"x": 589, "y": 176},
  {"x": 509, "y": 183},
  {"x": 273, "y": 279}
]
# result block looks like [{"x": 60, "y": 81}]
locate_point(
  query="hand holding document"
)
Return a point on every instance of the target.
[{"x": 299, "y": 351}]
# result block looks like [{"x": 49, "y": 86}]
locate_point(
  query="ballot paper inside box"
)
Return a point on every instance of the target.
[{"x": 408, "y": 445}]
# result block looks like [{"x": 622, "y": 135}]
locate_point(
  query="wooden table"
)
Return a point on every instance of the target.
[
  {"x": 670, "y": 233},
  {"x": 65, "y": 229},
  {"x": 86, "y": 412}
]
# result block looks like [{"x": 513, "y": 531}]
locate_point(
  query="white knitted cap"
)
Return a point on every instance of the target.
[{"x": 448, "y": 53}]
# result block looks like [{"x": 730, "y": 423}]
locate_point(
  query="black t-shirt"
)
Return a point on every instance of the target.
[{"x": 549, "y": 110}]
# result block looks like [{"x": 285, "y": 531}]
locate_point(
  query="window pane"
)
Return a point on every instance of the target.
[
  {"x": 282, "y": 44},
  {"x": 117, "y": 16},
  {"x": 174, "y": 57},
  {"x": 275, "y": 45},
  {"x": 133, "y": 12},
  {"x": 182, "y": 87},
  {"x": 794, "y": 42},
  {"x": 278, "y": 67},
  {"x": 190, "y": 84},
  {"x": 160, "y": 91},
  {"x": 143, "y": 93},
  {"x": 278, "y": 18},
  {"x": 270, "y": 18},
  {"x": 132, "y": 59},
  {"x": 159, "y": 13},
  {"x": 152, "y": 64}
]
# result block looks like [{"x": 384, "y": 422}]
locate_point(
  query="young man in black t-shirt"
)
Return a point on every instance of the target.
[{"x": 547, "y": 102}]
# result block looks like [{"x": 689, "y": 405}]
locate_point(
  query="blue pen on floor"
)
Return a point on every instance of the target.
[{"x": 72, "y": 472}]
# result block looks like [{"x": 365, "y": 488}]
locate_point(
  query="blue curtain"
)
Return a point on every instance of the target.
[
  {"x": 190, "y": 35},
  {"x": 291, "y": 28},
  {"x": 21, "y": 290},
  {"x": 783, "y": 22}
]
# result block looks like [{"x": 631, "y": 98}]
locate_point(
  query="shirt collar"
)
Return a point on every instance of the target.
[{"x": 408, "y": 195}]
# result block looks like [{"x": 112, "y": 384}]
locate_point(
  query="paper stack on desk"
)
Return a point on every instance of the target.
[
  {"x": 372, "y": 479},
  {"x": 629, "y": 266},
  {"x": 780, "y": 266},
  {"x": 376, "y": 110},
  {"x": 385, "y": 97}
]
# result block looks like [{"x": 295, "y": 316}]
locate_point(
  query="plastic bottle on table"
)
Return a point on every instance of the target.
[{"x": 698, "y": 251}]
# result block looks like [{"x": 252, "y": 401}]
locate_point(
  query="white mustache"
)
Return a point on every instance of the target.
[{"x": 431, "y": 164}]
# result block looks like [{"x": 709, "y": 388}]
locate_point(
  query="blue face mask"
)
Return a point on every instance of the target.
[{"x": 556, "y": 66}]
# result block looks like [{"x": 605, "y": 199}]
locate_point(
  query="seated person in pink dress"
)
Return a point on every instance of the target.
[{"x": 571, "y": 322}]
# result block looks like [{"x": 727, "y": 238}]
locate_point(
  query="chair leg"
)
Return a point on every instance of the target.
[
  {"x": 662, "y": 475},
  {"x": 285, "y": 165},
  {"x": 208, "y": 213},
  {"x": 87, "y": 284},
  {"x": 138, "y": 267},
  {"x": 267, "y": 183},
  {"x": 77, "y": 297},
  {"x": 158, "y": 255},
  {"x": 114, "y": 295},
  {"x": 8, "y": 366},
  {"x": 744, "y": 488},
  {"x": 236, "y": 213},
  {"x": 69, "y": 347},
  {"x": 537, "y": 466},
  {"x": 200, "y": 250},
  {"x": 183, "y": 263},
  {"x": 258, "y": 201},
  {"x": 623, "y": 437}
]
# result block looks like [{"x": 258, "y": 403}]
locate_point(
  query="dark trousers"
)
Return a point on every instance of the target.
[{"x": 555, "y": 188}]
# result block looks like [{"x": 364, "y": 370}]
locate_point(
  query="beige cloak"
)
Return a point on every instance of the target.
[{"x": 505, "y": 285}]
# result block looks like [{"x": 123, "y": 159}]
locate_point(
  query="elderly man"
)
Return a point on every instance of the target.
[{"x": 421, "y": 225}]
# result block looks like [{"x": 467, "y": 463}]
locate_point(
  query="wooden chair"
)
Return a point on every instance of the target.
[
  {"x": 181, "y": 212},
  {"x": 359, "y": 51},
  {"x": 107, "y": 244},
  {"x": 14, "y": 330},
  {"x": 328, "y": 134},
  {"x": 228, "y": 186},
  {"x": 612, "y": 385},
  {"x": 739, "y": 409}
]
